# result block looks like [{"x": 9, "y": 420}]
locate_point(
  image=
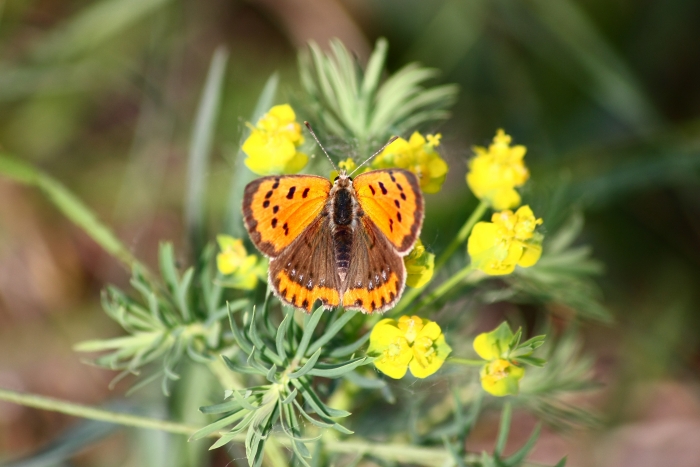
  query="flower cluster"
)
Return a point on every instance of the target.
[
  {"x": 420, "y": 265},
  {"x": 411, "y": 343},
  {"x": 419, "y": 156},
  {"x": 272, "y": 145},
  {"x": 510, "y": 239},
  {"x": 240, "y": 269},
  {"x": 505, "y": 355},
  {"x": 495, "y": 172}
]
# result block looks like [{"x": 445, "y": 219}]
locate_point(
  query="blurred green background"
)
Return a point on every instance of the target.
[{"x": 605, "y": 95}]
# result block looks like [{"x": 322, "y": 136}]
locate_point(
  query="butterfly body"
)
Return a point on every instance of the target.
[{"x": 341, "y": 243}]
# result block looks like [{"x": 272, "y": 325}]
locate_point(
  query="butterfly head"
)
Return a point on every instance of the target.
[{"x": 343, "y": 180}]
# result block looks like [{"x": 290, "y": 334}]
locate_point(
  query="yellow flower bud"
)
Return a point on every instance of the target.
[
  {"x": 417, "y": 156},
  {"x": 510, "y": 239},
  {"x": 494, "y": 173},
  {"x": 272, "y": 145},
  {"x": 420, "y": 265},
  {"x": 501, "y": 377},
  {"x": 241, "y": 270}
]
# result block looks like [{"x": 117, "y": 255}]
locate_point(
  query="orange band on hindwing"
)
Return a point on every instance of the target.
[
  {"x": 300, "y": 296},
  {"x": 377, "y": 299}
]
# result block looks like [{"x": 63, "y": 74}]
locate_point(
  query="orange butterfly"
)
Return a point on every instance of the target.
[{"x": 342, "y": 243}]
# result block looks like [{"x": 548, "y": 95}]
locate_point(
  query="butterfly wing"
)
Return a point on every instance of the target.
[
  {"x": 276, "y": 210},
  {"x": 306, "y": 271},
  {"x": 376, "y": 275},
  {"x": 392, "y": 200}
]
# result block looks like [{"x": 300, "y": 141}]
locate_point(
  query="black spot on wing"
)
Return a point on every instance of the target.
[
  {"x": 266, "y": 203},
  {"x": 383, "y": 188},
  {"x": 290, "y": 195},
  {"x": 305, "y": 193}
]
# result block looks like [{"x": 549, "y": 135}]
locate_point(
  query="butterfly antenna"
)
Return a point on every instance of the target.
[
  {"x": 308, "y": 125},
  {"x": 393, "y": 138}
]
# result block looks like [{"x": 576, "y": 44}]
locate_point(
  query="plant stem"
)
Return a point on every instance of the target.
[
  {"x": 466, "y": 361},
  {"x": 462, "y": 235},
  {"x": 73, "y": 208},
  {"x": 93, "y": 413},
  {"x": 410, "y": 295},
  {"x": 446, "y": 286},
  {"x": 392, "y": 452}
]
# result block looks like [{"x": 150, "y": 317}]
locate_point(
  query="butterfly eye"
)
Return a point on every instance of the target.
[{"x": 336, "y": 179}]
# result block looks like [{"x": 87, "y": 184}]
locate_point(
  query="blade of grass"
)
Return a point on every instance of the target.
[
  {"x": 200, "y": 147},
  {"x": 73, "y": 208}
]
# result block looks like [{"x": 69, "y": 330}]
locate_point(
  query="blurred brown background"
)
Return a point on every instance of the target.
[{"x": 604, "y": 94}]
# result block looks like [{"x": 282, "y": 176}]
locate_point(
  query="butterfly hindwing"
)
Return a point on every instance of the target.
[
  {"x": 277, "y": 209},
  {"x": 306, "y": 271},
  {"x": 392, "y": 200},
  {"x": 376, "y": 276}
]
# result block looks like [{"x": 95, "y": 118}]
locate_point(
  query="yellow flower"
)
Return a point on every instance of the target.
[
  {"x": 419, "y": 157},
  {"x": 420, "y": 265},
  {"x": 510, "y": 239},
  {"x": 241, "y": 270},
  {"x": 494, "y": 173},
  {"x": 411, "y": 342},
  {"x": 501, "y": 377},
  {"x": 272, "y": 145}
]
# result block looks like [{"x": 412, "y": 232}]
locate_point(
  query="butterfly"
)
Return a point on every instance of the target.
[{"x": 342, "y": 242}]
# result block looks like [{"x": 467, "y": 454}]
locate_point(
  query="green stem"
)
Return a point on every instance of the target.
[
  {"x": 392, "y": 452},
  {"x": 465, "y": 361},
  {"x": 462, "y": 235},
  {"x": 410, "y": 295},
  {"x": 73, "y": 208},
  {"x": 79, "y": 410},
  {"x": 445, "y": 287}
]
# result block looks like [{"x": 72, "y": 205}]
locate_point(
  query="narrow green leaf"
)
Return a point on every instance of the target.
[
  {"x": 375, "y": 65},
  {"x": 200, "y": 147},
  {"x": 517, "y": 458},
  {"x": 217, "y": 425},
  {"x": 241, "y": 340},
  {"x": 337, "y": 370},
  {"x": 222, "y": 407},
  {"x": 503, "y": 430},
  {"x": 315, "y": 402},
  {"x": 71, "y": 207},
  {"x": 349, "y": 349},
  {"x": 561, "y": 463},
  {"x": 168, "y": 269},
  {"x": 308, "y": 366},
  {"x": 94, "y": 25},
  {"x": 332, "y": 330},
  {"x": 243, "y": 401},
  {"x": 282, "y": 334},
  {"x": 308, "y": 332},
  {"x": 236, "y": 368}
]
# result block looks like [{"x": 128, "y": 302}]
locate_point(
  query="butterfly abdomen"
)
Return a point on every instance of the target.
[{"x": 342, "y": 216}]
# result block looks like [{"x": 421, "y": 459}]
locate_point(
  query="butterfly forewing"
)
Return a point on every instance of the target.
[
  {"x": 392, "y": 200},
  {"x": 276, "y": 210}
]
